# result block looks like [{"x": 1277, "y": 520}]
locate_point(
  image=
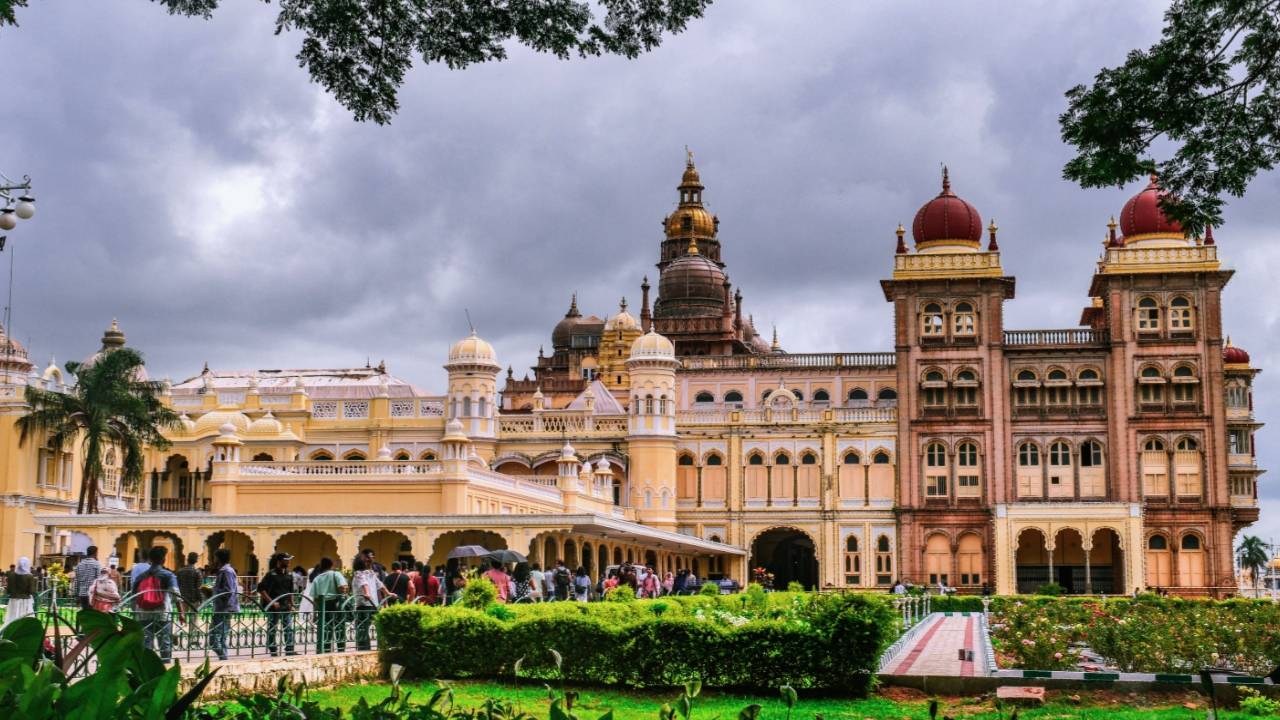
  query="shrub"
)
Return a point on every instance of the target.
[
  {"x": 956, "y": 603},
  {"x": 831, "y": 642},
  {"x": 621, "y": 594},
  {"x": 1052, "y": 589},
  {"x": 794, "y": 586},
  {"x": 709, "y": 588},
  {"x": 479, "y": 593}
]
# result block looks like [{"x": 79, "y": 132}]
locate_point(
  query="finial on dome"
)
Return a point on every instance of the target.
[
  {"x": 693, "y": 246},
  {"x": 902, "y": 244},
  {"x": 1153, "y": 180},
  {"x": 775, "y": 337},
  {"x": 113, "y": 324},
  {"x": 623, "y": 305},
  {"x": 1229, "y": 341},
  {"x": 206, "y": 369},
  {"x": 573, "y": 307},
  {"x": 992, "y": 246},
  {"x": 688, "y": 156},
  {"x": 946, "y": 181}
]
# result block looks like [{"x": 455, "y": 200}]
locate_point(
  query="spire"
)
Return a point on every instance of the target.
[
  {"x": 946, "y": 182},
  {"x": 573, "y": 308},
  {"x": 693, "y": 246},
  {"x": 775, "y": 338},
  {"x": 1208, "y": 234},
  {"x": 992, "y": 246},
  {"x": 1111, "y": 226},
  {"x": 902, "y": 245},
  {"x": 623, "y": 305},
  {"x": 645, "y": 322},
  {"x": 737, "y": 311}
]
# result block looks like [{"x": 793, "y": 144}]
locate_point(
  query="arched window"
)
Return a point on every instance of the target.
[
  {"x": 881, "y": 458},
  {"x": 888, "y": 394},
  {"x": 402, "y": 455},
  {"x": 1183, "y": 391},
  {"x": 263, "y": 457},
  {"x": 1154, "y": 445},
  {"x": 1159, "y": 562},
  {"x": 1155, "y": 468},
  {"x": 851, "y": 458},
  {"x": 733, "y": 396},
  {"x": 321, "y": 456},
  {"x": 648, "y": 500},
  {"x": 354, "y": 456},
  {"x": 648, "y": 404},
  {"x": 755, "y": 460},
  {"x": 1090, "y": 393},
  {"x": 966, "y": 376},
  {"x": 428, "y": 456},
  {"x": 1148, "y": 315},
  {"x": 1057, "y": 374},
  {"x": 935, "y": 479},
  {"x": 808, "y": 459},
  {"x": 931, "y": 321},
  {"x": 1180, "y": 314},
  {"x": 1190, "y": 542},
  {"x": 1152, "y": 392},
  {"x": 1090, "y": 454},
  {"x": 1030, "y": 479},
  {"x": 662, "y": 405},
  {"x": 1157, "y": 542},
  {"x": 966, "y": 394},
  {"x": 852, "y": 561},
  {"x": 799, "y": 395},
  {"x": 858, "y": 394},
  {"x": 821, "y": 396},
  {"x": 1059, "y": 455},
  {"x": 935, "y": 396},
  {"x": 685, "y": 460},
  {"x": 782, "y": 459},
  {"x": 884, "y": 561},
  {"x": 1187, "y": 444},
  {"x": 1093, "y": 473},
  {"x": 704, "y": 397},
  {"x": 1088, "y": 374},
  {"x": 715, "y": 460},
  {"x": 1060, "y": 476},
  {"x": 969, "y": 559},
  {"x": 715, "y": 539},
  {"x": 466, "y": 407},
  {"x": 481, "y": 404},
  {"x": 963, "y": 319},
  {"x": 967, "y": 473},
  {"x": 1026, "y": 376},
  {"x": 1027, "y": 395}
]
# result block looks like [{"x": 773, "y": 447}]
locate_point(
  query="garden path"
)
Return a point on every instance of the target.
[{"x": 936, "y": 652}]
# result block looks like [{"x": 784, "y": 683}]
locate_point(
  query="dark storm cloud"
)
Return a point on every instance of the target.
[{"x": 193, "y": 183}]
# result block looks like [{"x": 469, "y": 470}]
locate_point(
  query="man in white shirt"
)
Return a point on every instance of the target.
[{"x": 539, "y": 583}]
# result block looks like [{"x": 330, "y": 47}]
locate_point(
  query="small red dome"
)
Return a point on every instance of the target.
[
  {"x": 1142, "y": 216},
  {"x": 1234, "y": 356},
  {"x": 947, "y": 217}
]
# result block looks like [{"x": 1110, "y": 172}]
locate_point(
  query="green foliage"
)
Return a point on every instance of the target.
[
  {"x": 794, "y": 586},
  {"x": 1255, "y": 703},
  {"x": 956, "y": 603},
  {"x": 109, "y": 407},
  {"x": 7, "y": 16},
  {"x": 1252, "y": 555},
  {"x": 360, "y": 51},
  {"x": 621, "y": 594},
  {"x": 128, "y": 680},
  {"x": 479, "y": 593},
  {"x": 1052, "y": 589},
  {"x": 709, "y": 588},
  {"x": 755, "y": 596},
  {"x": 1149, "y": 634},
  {"x": 827, "y": 641},
  {"x": 1207, "y": 88},
  {"x": 500, "y": 612}
]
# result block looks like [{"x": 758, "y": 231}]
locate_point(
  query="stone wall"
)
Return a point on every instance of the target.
[{"x": 245, "y": 677}]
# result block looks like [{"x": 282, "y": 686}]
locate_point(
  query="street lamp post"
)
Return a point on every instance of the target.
[{"x": 14, "y": 209}]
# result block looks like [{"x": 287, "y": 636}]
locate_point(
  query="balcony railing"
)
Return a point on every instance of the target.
[
  {"x": 180, "y": 504},
  {"x": 343, "y": 467},
  {"x": 785, "y": 361},
  {"x": 1022, "y": 338},
  {"x": 561, "y": 423},
  {"x": 800, "y": 415}
]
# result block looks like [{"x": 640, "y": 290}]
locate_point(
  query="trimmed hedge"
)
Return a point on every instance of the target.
[
  {"x": 956, "y": 603},
  {"x": 827, "y": 642}
]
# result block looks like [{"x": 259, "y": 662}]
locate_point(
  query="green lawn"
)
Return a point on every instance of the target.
[{"x": 640, "y": 704}]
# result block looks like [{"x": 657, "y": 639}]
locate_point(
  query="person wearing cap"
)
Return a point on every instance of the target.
[{"x": 276, "y": 589}]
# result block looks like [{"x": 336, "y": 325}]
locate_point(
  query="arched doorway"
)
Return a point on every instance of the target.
[
  {"x": 1106, "y": 563},
  {"x": 789, "y": 554},
  {"x": 388, "y": 546},
  {"x": 449, "y": 541},
  {"x": 588, "y": 559},
  {"x": 1159, "y": 562},
  {"x": 132, "y": 547},
  {"x": 570, "y": 554},
  {"x": 1068, "y": 561},
  {"x": 651, "y": 559},
  {"x": 307, "y": 547},
  {"x": 602, "y": 562},
  {"x": 1031, "y": 561},
  {"x": 938, "y": 559},
  {"x": 241, "y": 547}
]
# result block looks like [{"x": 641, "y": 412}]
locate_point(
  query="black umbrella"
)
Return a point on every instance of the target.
[
  {"x": 465, "y": 551},
  {"x": 506, "y": 556}
]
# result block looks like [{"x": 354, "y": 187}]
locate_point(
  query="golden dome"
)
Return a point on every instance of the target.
[
  {"x": 623, "y": 320},
  {"x": 652, "y": 345},
  {"x": 693, "y": 220},
  {"x": 216, "y": 419},
  {"x": 473, "y": 350},
  {"x": 266, "y": 424}
]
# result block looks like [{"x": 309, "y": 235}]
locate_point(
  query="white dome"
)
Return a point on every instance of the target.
[
  {"x": 454, "y": 427},
  {"x": 228, "y": 429},
  {"x": 652, "y": 345},
  {"x": 603, "y": 466},
  {"x": 623, "y": 320},
  {"x": 216, "y": 419},
  {"x": 473, "y": 350}
]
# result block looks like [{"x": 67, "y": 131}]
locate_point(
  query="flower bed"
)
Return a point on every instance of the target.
[
  {"x": 751, "y": 640},
  {"x": 1149, "y": 634}
]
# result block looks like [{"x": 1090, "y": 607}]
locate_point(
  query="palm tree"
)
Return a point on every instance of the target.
[
  {"x": 109, "y": 407},
  {"x": 1252, "y": 555}
]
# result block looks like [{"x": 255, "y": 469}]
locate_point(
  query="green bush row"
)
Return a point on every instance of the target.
[
  {"x": 1147, "y": 634},
  {"x": 831, "y": 642}
]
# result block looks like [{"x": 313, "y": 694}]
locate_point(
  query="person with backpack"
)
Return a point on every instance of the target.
[
  {"x": 562, "y": 580},
  {"x": 151, "y": 587},
  {"x": 226, "y": 602},
  {"x": 581, "y": 584}
]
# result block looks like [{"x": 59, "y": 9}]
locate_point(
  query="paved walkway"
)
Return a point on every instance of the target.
[{"x": 936, "y": 652}]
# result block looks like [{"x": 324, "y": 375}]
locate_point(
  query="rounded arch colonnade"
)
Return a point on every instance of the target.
[{"x": 1094, "y": 566}]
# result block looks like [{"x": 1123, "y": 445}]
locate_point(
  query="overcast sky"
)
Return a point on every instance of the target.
[{"x": 193, "y": 183}]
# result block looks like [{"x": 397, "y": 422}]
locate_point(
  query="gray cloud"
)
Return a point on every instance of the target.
[{"x": 193, "y": 183}]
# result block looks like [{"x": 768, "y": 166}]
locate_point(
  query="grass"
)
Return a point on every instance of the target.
[{"x": 890, "y": 704}]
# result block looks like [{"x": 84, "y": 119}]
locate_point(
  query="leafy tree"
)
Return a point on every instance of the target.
[
  {"x": 6, "y": 11},
  {"x": 108, "y": 407},
  {"x": 359, "y": 50},
  {"x": 1208, "y": 88},
  {"x": 1252, "y": 556}
]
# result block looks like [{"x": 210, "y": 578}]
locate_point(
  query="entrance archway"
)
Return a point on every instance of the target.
[
  {"x": 307, "y": 547},
  {"x": 1106, "y": 563},
  {"x": 1068, "y": 561},
  {"x": 449, "y": 541},
  {"x": 132, "y": 547},
  {"x": 388, "y": 546},
  {"x": 241, "y": 547},
  {"x": 789, "y": 554},
  {"x": 1031, "y": 561}
]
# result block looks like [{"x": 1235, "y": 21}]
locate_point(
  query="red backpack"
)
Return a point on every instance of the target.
[{"x": 150, "y": 593}]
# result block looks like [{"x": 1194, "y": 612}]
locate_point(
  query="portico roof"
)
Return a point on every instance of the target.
[{"x": 580, "y": 523}]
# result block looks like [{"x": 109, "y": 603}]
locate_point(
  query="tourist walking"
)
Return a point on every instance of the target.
[
  {"x": 87, "y": 572},
  {"x": 562, "y": 580},
  {"x": 681, "y": 583},
  {"x": 104, "y": 594},
  {"x": 668, "y": 584},
  {"x": 581, "y": 584},
  {"x": 398, "y": 583},
  {"x": 327, "y": 589},
  {"x": 651, "y": 584},
  {"x": 226, "y": 602},
  {"x": 371, "y": 559},
  {"x": 190, "y": 583},
  {"x": 522, "y": 580},
  {"x": 426, "y": 587},
  {"x": 539, "y": 583},
  {"x": 368, "y": 592},
  {"x": 276, "y": 590},
  {"x": 152, "y": 585},
  {"x": 500, "y": 580},
  {"x": 21, "y": 588}
]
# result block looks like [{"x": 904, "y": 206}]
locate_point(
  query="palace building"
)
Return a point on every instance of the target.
[{"x": 1106, "y": 457}]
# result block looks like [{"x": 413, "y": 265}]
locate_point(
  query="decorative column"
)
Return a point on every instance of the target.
[
  {"x": 1088, "y": 568},
  {"x": 1049, "y": 544}
]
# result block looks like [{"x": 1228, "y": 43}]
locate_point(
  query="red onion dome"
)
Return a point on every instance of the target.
[
  {"x": 1141, "y": 217},
  {"x": 947, "y": 220},
  {"x": 1232, "y": 355}
]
